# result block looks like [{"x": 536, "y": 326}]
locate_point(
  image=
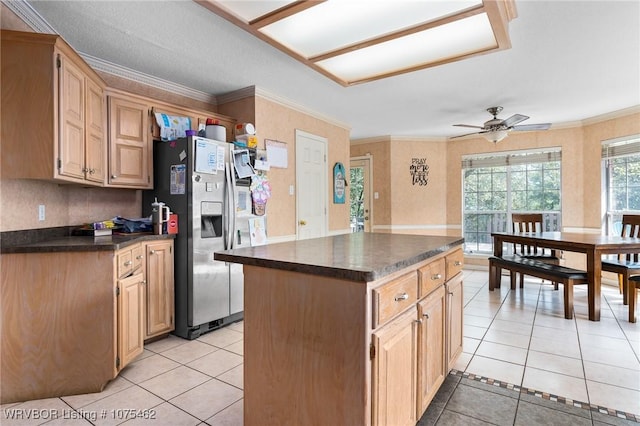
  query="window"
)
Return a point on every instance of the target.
[
  {"x": 621, "y": 180},
  {"x": 499, "y": 184}
]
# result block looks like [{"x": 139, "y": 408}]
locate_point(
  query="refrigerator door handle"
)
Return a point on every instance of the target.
[
  {"x": 232, "y": 216},
  {"x": 228, "y": 200}
]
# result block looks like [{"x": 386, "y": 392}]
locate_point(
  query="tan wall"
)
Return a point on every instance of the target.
[
  {"x": 65, "y": 205},
  {"x": 413, "y": 204},
  {"x": 276, "y": 121}
]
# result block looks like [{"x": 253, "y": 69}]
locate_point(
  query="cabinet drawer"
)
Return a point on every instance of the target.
[
  {"x": 394, "y": 297},
  {"x": 128, "y": 260},
  {"x": 137, "y": 255},
  {"x": 431, "y": 276},
  {"x": 455, "y": 262}
]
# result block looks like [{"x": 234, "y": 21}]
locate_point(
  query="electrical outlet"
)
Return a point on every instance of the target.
[
  {"x": 41, "y": 212},
  {"x": 292, "y": 190}
]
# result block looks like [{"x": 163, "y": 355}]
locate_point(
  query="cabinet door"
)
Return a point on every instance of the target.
[
  {"x": 129, "y": 144},
  {"x": 96, "y": 135},
  {"x": 454, "y": 319},
  {"x": 394, "y": 373},
  {"x": 160, "y": 288},
  {"x": 71, "y": 92},
  {"x": 432, "y": 362},
  {"x": 130, "y": 318}
]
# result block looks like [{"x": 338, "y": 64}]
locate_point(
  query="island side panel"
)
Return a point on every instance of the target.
[
  {"x": 305, "y": 349},
  {"x": 57, "y": 324}
]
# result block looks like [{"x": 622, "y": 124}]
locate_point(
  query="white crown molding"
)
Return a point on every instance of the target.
[
  {"x": 253, "y": 91},
  {"x": 611, "y": 115},
  {"x": 374, "y": 139},
  {"x": 149, "y": 80},
  {"x": 30, "y": 16}
]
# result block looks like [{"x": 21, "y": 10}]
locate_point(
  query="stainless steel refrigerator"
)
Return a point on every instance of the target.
[{"x": 194, "y": 176}]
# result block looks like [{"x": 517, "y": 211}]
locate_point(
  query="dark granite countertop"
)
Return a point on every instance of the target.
[
  {"x": 75, "y": 243},
  {"x": 359, "y": 256}
]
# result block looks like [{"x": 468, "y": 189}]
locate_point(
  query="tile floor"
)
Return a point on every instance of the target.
[{"x": 523, "y": 363}]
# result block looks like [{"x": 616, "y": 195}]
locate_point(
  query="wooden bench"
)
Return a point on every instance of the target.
[{"x": 555, "y": 273}]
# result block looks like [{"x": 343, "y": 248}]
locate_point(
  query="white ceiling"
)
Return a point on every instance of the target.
[{"x": 569, "y": 61}]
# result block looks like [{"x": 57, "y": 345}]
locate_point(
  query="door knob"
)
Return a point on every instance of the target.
[
  {"x": 366, "y": 218},
  {"x": 302, "y": 222}
]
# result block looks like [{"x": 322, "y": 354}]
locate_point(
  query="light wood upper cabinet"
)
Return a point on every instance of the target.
[
  {"x": 159, "y": 289},
  {"x": 96, "y": 133},
  {"x": 130, "y": 144},
  {"x": 53, "y": 111}
]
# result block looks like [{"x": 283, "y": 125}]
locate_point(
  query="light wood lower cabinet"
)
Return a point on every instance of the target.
[
  {"x": 454, "y": 319},
  {"x": 71, "y": 321},
  {"x": 418, "y": 340},
  {"x": 160, "y": 289},
  {"x": 432, "y": 362},
  {"x": 130, "y": 296},
  {"x": 394, "y": 371}
]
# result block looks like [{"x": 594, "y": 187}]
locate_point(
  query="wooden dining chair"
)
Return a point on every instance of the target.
[
  {"x": 626, "y": 264},
  {"x": 532, "y": 222},
  {"x": 632, "y": 290}
]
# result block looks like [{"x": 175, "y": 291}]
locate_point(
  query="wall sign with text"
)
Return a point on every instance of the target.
[
  {"x": 419, "y": 170},
  {"x": 339, "y": 183}
]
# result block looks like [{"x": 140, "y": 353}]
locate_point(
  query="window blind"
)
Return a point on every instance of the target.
[
  {"x": 621, "y": 147},
  {"x": 510, "y": 158}
]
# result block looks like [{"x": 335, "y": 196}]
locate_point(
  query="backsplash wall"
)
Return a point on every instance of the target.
[{"x": 65, "y": 205}]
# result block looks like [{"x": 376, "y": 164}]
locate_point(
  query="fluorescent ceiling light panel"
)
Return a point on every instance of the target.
[
  {"x": 355, "y": 41},
  {"x": 437, "y": 44},
  {"x": 336, "y": 24}
]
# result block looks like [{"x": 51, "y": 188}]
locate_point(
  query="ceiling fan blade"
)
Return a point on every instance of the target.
[
  {"x": 513, "y": 120},
  {"x": 469, "y": 125},
  {"x": 466, "y": 134},
  {"x": 525, "y": 127}
]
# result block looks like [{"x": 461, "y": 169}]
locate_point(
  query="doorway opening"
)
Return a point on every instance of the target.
[{"x": 360, "y": 212}]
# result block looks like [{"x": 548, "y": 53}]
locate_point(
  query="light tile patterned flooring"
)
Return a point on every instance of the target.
[{"x": 517, "y": 337}]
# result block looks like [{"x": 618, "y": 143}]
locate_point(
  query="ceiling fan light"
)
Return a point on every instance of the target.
[{"x": 495, "y": 135}]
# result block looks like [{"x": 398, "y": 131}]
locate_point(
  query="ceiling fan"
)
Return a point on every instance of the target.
[{"x": 497, "y": 129}]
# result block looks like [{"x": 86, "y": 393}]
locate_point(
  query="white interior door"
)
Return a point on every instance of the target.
[
  {"x": 361, "y": 214},
  {"x": 311, "y": 184}
]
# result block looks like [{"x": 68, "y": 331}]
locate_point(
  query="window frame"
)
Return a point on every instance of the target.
[{"x": 509, "y": 160}]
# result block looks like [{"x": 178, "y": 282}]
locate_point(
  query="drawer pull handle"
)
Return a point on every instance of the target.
[
  {"x": 436, "y": 277},
  {"x": 426, "y": 315},
  {"x": 400, "y": 297},
  {"x": 139, "y": 257},
  {"x": 418, "y": 321},
  {"x": 457, "y": 263},
  {"x": 128, "y": 263}
]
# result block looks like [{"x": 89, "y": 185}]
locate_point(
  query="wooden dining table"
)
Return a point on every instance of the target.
[{"x": 592, "y": 245}]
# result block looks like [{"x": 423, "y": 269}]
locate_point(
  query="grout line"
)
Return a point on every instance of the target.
[{"x": 549, "y": 397}]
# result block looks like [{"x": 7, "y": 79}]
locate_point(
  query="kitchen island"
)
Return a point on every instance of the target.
[{"x": 353, "y": 329}]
